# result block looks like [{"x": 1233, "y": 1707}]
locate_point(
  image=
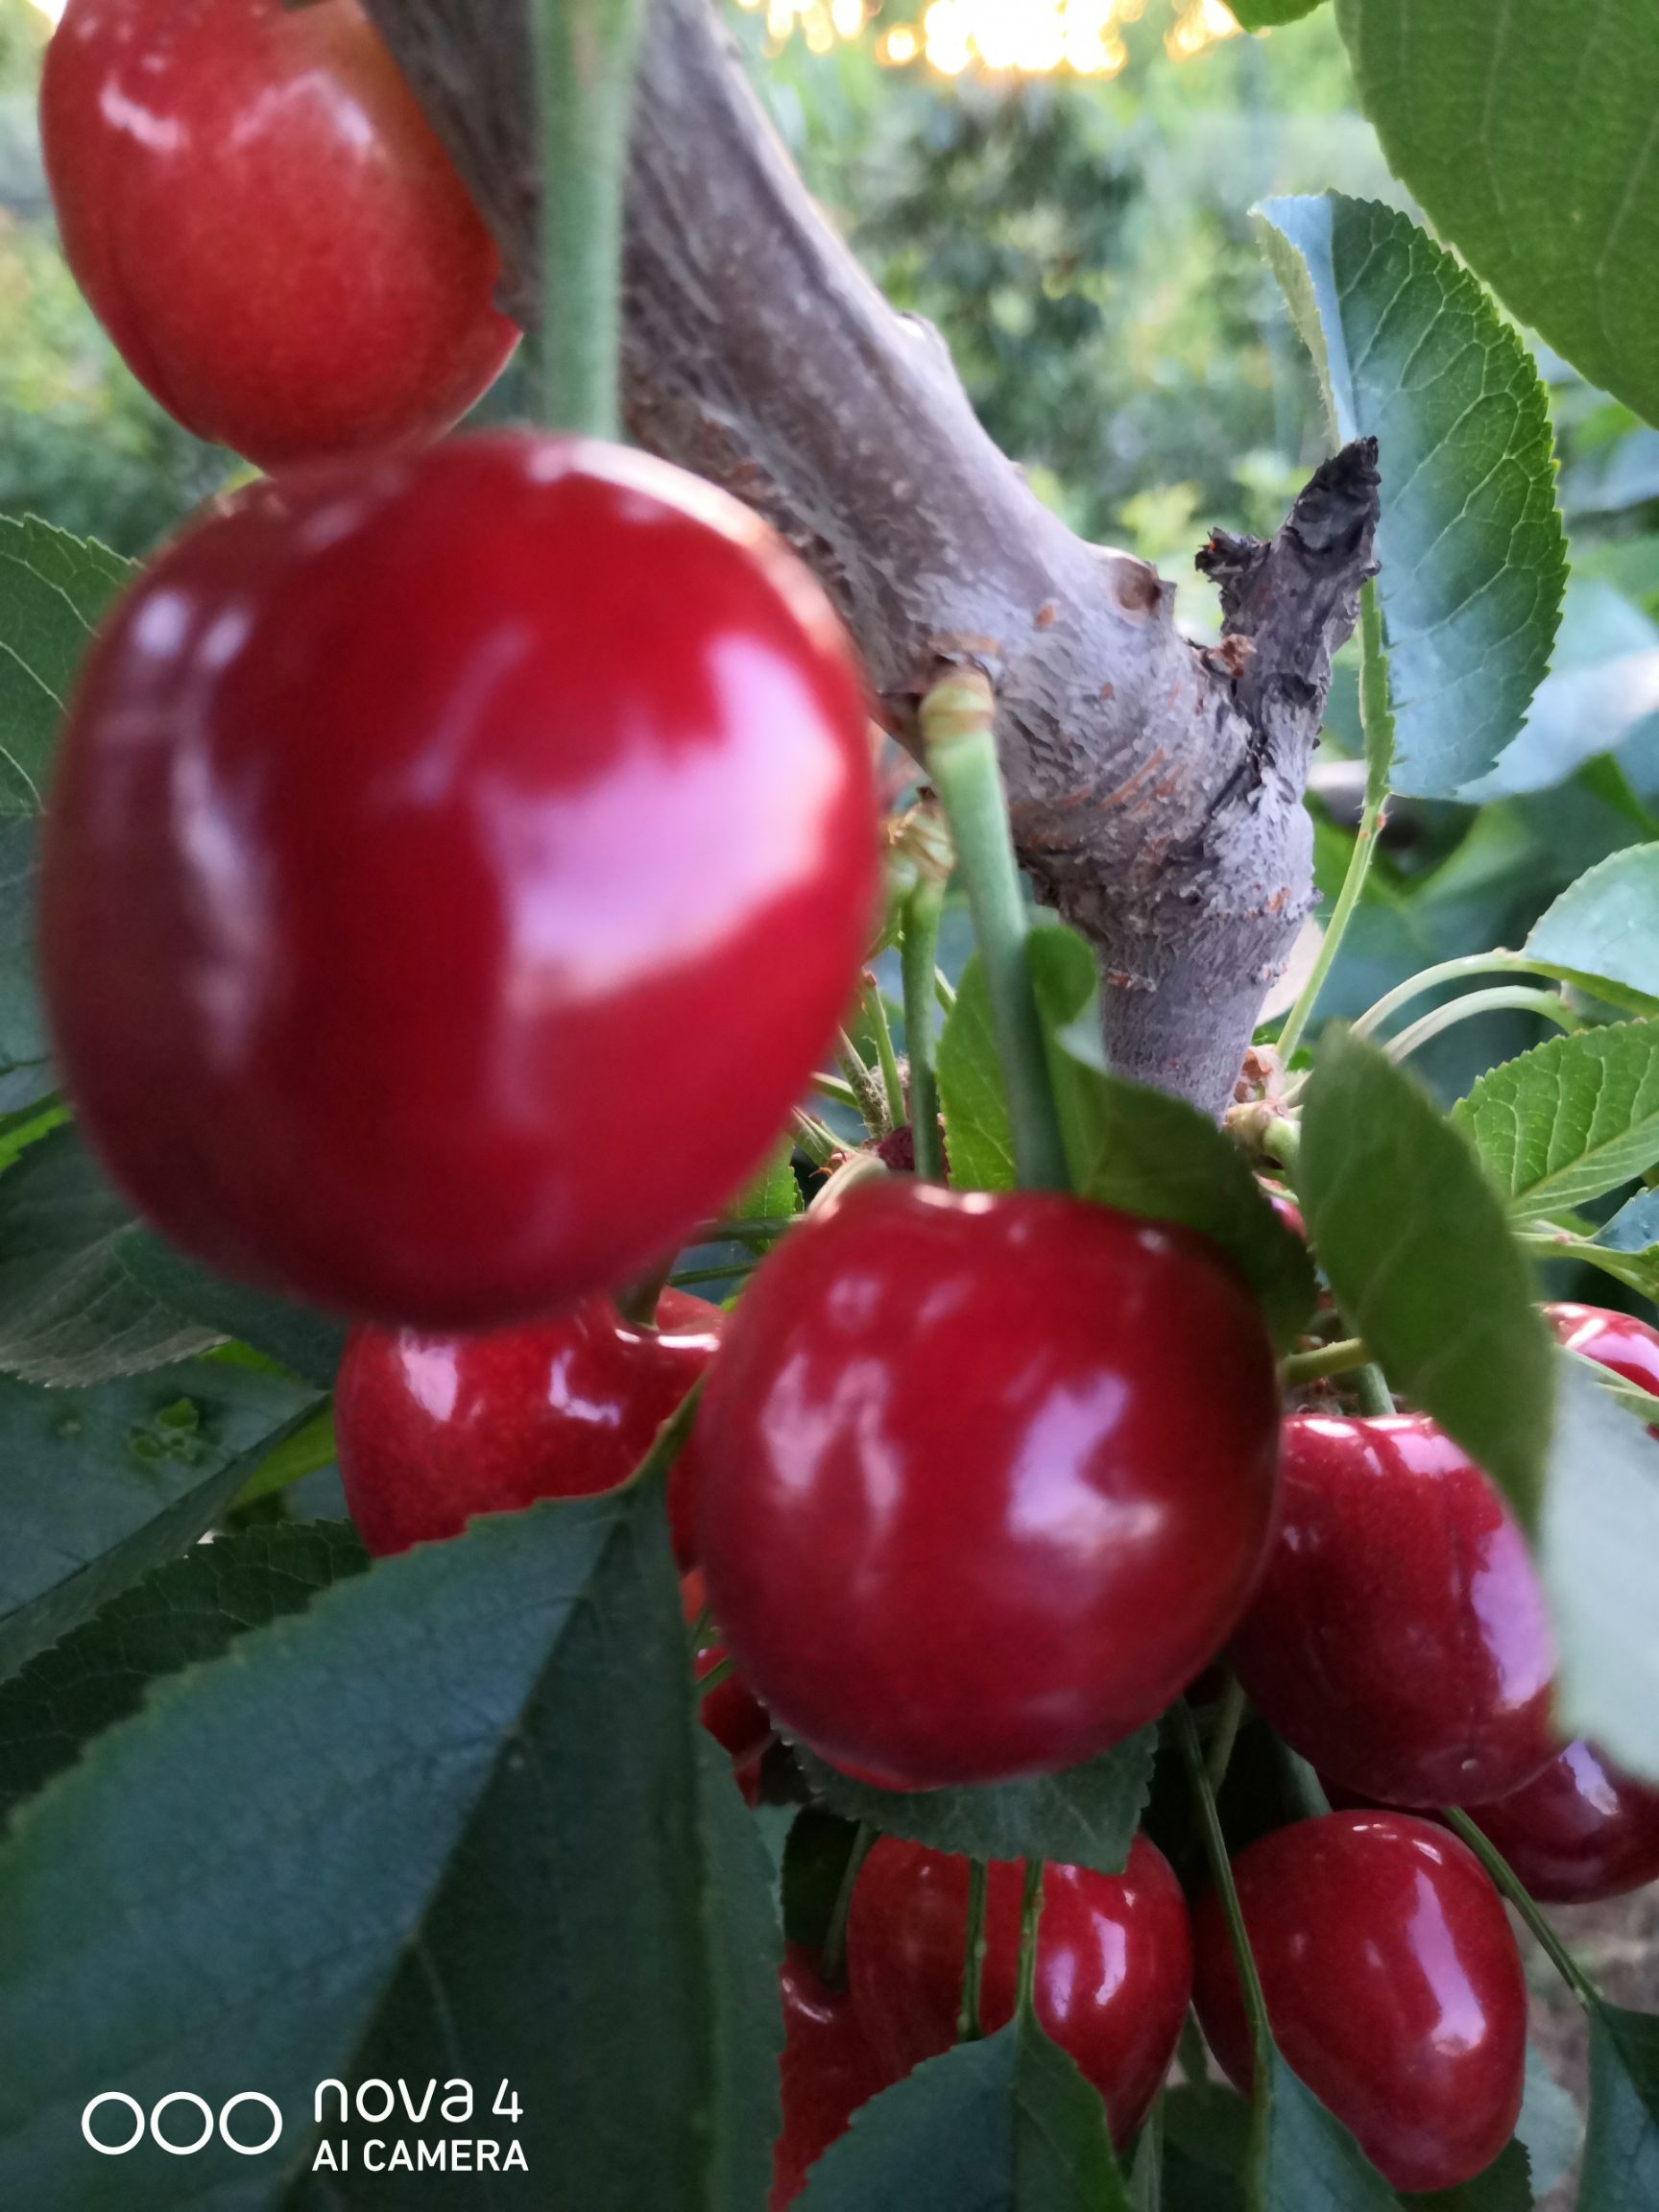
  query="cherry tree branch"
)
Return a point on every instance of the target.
[{"x": 1155, "y": 789}]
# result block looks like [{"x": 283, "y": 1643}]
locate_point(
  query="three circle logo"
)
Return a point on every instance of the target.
[{"x": 209, "y": 2125}]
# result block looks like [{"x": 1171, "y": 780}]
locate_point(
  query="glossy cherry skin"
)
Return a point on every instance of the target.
[
  {"x": 263, "y": 221},
  {"x": 432, "y": 1429},
  {"x": 455, "y": 867},
  {"x": 1629, "y": 1347},
  {"x": 1399, "y": 1640},
  {"x": 828, "y": 2071},
  {"x": 1579, "y": 1832},
  {"x": 973, "y": 1502},
  {"x": 1393, "y": 1985},
  {"x": 1114, "y": 1963}
]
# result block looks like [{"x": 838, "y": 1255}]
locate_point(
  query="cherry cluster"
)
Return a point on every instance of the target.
[{"x": 459, "y": 858}]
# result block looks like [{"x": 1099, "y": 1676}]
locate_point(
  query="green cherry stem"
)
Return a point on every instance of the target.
[
  {"x": 968, "y": 2028},
  {"x": 919, "y": 945},
  {"x": 960, "y": 748},
  {"x": 1338, "y": 1358},
  {"x": 885, "y": 1057},
  {"x": 1030, "y": 1917},
  {"x": 1445, "y": 971},
  {"x": 1507, "y": 1880},
  {"x": 1524, "y": 999},
  {"x": 716, "y": 1675},
  {"x": 832, "y": 1958},
  {"x": 1229, "y": 1717},
  {"x": 865, "y": 1084},
  {"x": 586, "y": 51},
  {"x": 1371, "y": 1387},
  {"x": 1221, "y": 1874}
]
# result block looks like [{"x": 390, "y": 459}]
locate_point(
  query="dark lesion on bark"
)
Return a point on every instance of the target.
[{"x": 1155, "y": 786}]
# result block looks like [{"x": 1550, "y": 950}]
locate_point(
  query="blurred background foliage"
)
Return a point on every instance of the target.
[{"x": 1084, "y": 242}]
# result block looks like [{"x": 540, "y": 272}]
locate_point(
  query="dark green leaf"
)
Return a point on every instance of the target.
[
  {"x": 1525, "y": 127},
  {"x": 1599, "y": 1541},
  {"x": 1267, "y": 14},
  {"x": 1304, "y": 2159},
  {"x": 1472, "y": 554},
  {"x": 971, "y": 1093},
  {"x": 1212, "y": 2124},
  {"x": 69, "y": 1312},
  {"x": 1620, "y": 2171},
  {"x": 191, "y": 1609},
  {"x": 1414, "y": 1241},
  {"x": 53, "y": 589},
  {"x": 816, "y": 1854},
  {"x": 1635, "y": 1227},
  {"x": 1007, "y": 2124},
  {"x": 306, "y": 1342},
  {"x": 1505, "y": 2186},
  {"x": 98, "y": 1486},
  {"x": 396, "y": 1836},
  {"x": 1603, "y": 930},
  {"x": 1085, "y": 1816},
  {"x": 1149, "y": 1154},
  {"x": 24, "y": 1071},
  {"x": 1576, "y": 1117}
]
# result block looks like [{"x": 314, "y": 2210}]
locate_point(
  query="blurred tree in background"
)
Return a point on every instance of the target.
[{"x": 1085, "y": 244}]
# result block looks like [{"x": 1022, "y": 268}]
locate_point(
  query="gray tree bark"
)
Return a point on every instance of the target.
[{"x": 1155, "y": 788}]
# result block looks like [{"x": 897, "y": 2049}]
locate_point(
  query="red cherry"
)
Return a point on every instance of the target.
[
  {"x": 1393, "y": 1987},
  {"x": 984, "y": 1479},
  {"x": 432, "y": 1429},
  {"x": 1579, "y": 1832},
  {"x": 455, "y": 867},
  {"x": 1616, "y": 1340},
  {"x": 1399, "y": 1640},
  {"x": 1114, "y": 1963},
  {"x": 262, "y": 219},
  {"x": 828, "y": 2071},
  {"x": 731, "y": 1712}
]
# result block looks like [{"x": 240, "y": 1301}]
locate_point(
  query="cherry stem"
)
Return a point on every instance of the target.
[
  {"x": 586, "y": 51},
  {"x": 636, "y": 1301},
  {"x": 864, "y": 1084},
  {"x": 1521, "y": 997},
  {"x": 1030, "y": 1915},
  {"x": 716, "y": 1675},
  {"x": 832, "y": 1958},
  {"x": 919, "y": 947},
  {"x": 960, "y": 748},
  {"x": 1371, "y": 1387},
  {"x": 1221, "y": 1873},
  {"x": 1445, "y": 971},
  {"x": 832, "y": 1087},
  {"x": 1511, "y": 1887},
  {"x": 1338, "y": 1358},
  {"x": 944, "y": 990},
  {"x": 968, "y": 2028},
  {"x": 887, "y": 1058},
  {"x": 1229, "y": 1717},
  {"x": 815, "y": 1138}
]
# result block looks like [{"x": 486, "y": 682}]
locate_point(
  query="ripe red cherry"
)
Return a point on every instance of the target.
[
  {"x": 828, "y": 2071},
  {"x": 971, "y": 1503},
  {"x": 1579, "y": 1832},
  {"x": 1393, "y": 1987},
  {"x": 1114, "y": 1963},
  {"x": 1616, "y": 1340},
  {"x": 1399, "y": 1639},
  {"x": 265, "y": 225},
  {"x": 432, "y": 1429},
  {"x": 455, "y": 867}
]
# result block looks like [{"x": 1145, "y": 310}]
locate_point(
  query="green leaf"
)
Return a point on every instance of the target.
[
  {"x": 1303, "y": 2160},
  {"x": 25, "y": 1070},
  {"x": 1085, "y": 1815},
  {"x": 1630, "y": 1395},
  {"x": 97, "y": 1486},
  {"x": 772, "y": 1195},
  {"x": 1603, "y": 930},
  {"x": 1576, "y": 1117},
  {"x": 1550, "y": 2128},
  {"x": 1599, "y": 1539},
  {"x": 1414, "y": 1241},
  {"x": 307, "y": 1451},
  {"x": 1620, "y": 2171},
  {"x": 392, "y": 1836},
  {"x": 189, "y": 1610},
  {"x": 816, "y": 1853},
  {"x": 970, "y": 1096},
  {"x": 1473, "y": 553},
  {"x": 1151, "y": 1155},
  {"x": 1007, "y": 2124},
  {"x": 308, "y": 1344},
  {"x": 1505, "y": 2186},
  {"x": 1634, "y": 1228},
  {"x": 1526, "y": 130},
  {"x": 69, "y": 1312},
  {"x": 1604, "y": 684},
  {"x": 53, "y": 589},
  {"x": 1268, "y": 15}
]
